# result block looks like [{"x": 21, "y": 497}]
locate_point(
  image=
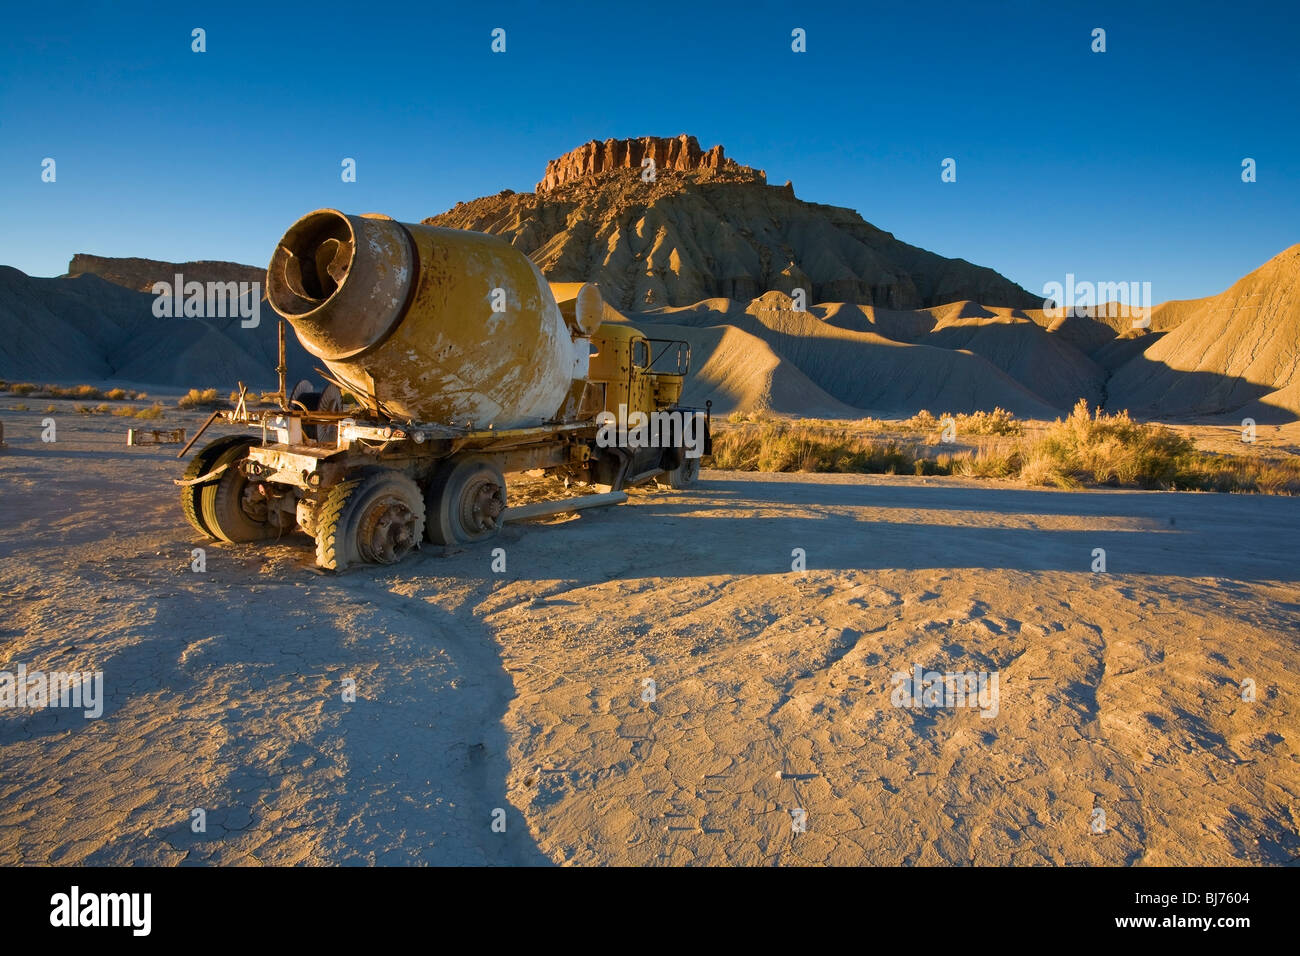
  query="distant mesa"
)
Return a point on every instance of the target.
[
  {"x": 706, "y": 226},
  {"x": 676, "y": 154},
  {"x": 141, "y": 274}
]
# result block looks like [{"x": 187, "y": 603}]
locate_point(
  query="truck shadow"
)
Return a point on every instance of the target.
[
  {"x": 751, "y": 527},
  {"x": 241, "y": 697}
]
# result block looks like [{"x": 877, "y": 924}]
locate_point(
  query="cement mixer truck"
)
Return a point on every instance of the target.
[{"x": 450, "y": 363}]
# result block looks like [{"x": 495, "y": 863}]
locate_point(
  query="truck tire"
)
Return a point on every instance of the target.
[
  {"x": 684, "y": 475},
  {"x": 330, "y": 399},
  {"x": 228, "y": 513},
  {"x": 610, "y": 468},
  {"x": 201, "y": 464},
  {"x": 374, "y": 518},
  {"x": 465, "y": 501}
]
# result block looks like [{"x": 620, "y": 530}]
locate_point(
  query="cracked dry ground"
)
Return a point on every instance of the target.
[{"x": 524, "y": 691}]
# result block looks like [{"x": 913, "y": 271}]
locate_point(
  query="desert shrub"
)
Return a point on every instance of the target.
[
  {"x": 200, "y": 398},
  {"x": 19, "y": 408},
  {"x": 990, "y": 462},
  {"x": 255, "y": 398},
  {"x": 70, "y": 391},
  {"x": 1040, "y": 469},
  {"x": 65, "y": 391},
  {"x": 752, "y": 417},
  {"x": 139, "y": 411},
  {"x": 997, "y": 422},
  {"x": 1085, "y": 448},
  {"x": 116, "y": 394},
  {"x": 1236, "y": 473},
  {"x": 1113, "y": 449},
  {"x": 783, "y": 446},
  {"x": 922, "y": 421}
]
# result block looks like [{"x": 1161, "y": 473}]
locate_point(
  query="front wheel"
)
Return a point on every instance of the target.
[{"x": 684, "y": 475}]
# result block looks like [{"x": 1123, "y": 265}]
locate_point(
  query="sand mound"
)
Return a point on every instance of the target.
[
  {"x": 873, "y": 374},
  {"x": 738, "y": 371},
  {"x": 1237, "y": 352},
  {"x": 960, "y": 357},
  {"x": 83, "y": 329},
  {"x": 1049, "y": 366},
  {"x": 1124, "y": 348},
  {"x": 899, "y": 325}
]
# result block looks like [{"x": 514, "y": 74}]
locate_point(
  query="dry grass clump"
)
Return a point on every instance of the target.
[
  {"x": 69, "y": 391},
  {"x": 123, "y": 394},
  {"x": 777, "y": 445},
  {"x": 153, "y": 411},
  {"x": 200, "y": 398},
  {"x": 997, "y": 422},
  {"x": 1086, "y": 448},
  {"x": 1103, "y": 449},
  {"x": 255, "y": 398}
]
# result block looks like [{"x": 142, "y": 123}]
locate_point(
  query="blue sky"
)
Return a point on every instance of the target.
[{"x": 1115, "y": 166}]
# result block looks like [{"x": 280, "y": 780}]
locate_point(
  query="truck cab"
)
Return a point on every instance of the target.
[{"x": 640, "y": 379}]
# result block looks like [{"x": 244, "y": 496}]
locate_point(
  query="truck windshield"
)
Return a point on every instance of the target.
[{"x": 671, "y": 356}]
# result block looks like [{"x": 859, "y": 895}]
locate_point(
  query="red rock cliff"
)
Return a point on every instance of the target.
[{"x": 681, "y": 153}]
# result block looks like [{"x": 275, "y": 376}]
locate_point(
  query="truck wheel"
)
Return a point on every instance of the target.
[
  {"x": 465, "y": 502},
  {"x": 375, "y": 518},
  {"x": 201, "y": 464},
  {"x": 232, "y": 509},
  {"x": 684, "y": 475},
  {"x": 610, "y": 468}
]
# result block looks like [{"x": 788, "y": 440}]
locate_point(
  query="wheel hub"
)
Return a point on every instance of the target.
[
  {"x": 481, "y": 506},
  {"x": 253, "y": 503},
  {"x": 387, "y": 532}
]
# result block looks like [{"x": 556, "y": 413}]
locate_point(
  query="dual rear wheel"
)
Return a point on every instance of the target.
[
  {"x": 465, "y": 501},
  {"x": 381, "y": 515},
  {"x": 376, "y": 517}
]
